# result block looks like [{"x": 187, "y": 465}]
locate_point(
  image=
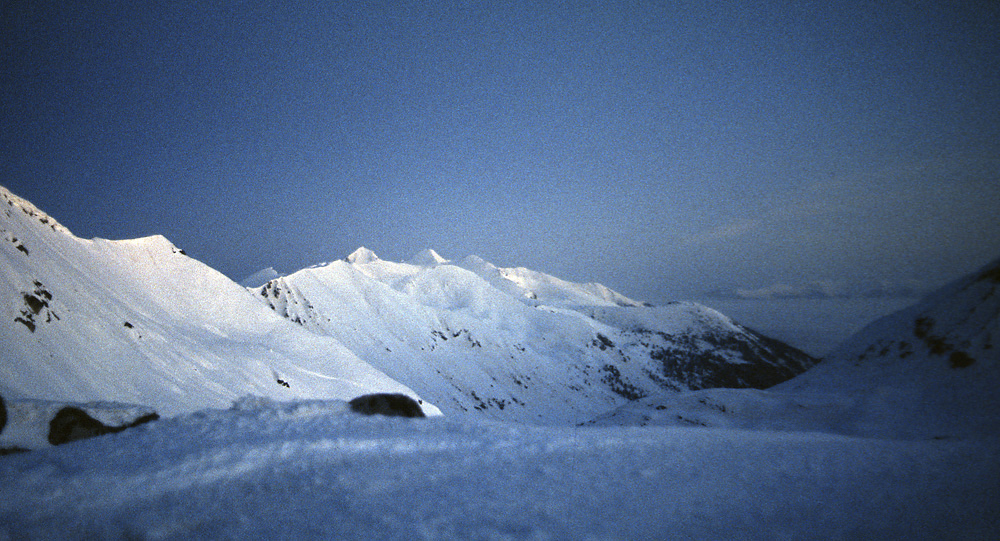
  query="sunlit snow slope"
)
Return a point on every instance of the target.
[
  {"x": 928, "y": 371},
  {"x": 519, "y": 344},
  {"x": 138, "y": 321}
]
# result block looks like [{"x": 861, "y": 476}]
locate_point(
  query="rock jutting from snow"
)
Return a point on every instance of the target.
[
  {"x": 35, "y": 424},
  {"x": 72, "y": 423},
  {"x": 388, "y": 404}
]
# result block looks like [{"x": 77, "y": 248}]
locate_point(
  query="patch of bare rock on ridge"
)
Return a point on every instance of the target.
[{"x": 32, "y": 424}]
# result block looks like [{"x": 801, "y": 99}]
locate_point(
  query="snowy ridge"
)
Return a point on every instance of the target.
[
  {"x": 13, "y": 202},
  {"x": 536, "y": 288},
  {"x": 139, "y": 322},
  {"x": 928, "y": 371},
  {"x": 427, "y": 257},
  {"x": 518, "y": 344}
]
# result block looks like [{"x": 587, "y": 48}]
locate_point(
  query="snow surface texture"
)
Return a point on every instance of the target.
[
  {"x": 139, "y": 322},
  {"x": 517, "y": 344},
  {"x": 929, "y": 371},
  {"x": 310, "y": 470}
]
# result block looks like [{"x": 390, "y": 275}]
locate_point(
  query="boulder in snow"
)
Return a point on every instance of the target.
[
  {"x": 390, "y": 404},
  {"x": 34, "y": 424},
  {"x": 72, "y": 423}
]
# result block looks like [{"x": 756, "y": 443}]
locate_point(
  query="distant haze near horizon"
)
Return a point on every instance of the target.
[{"x": 665, "y": 150}]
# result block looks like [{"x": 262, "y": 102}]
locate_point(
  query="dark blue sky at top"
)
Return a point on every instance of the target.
[{"x": 661, "y": 148}]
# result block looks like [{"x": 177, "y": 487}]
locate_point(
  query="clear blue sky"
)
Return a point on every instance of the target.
[{"x": 662, "y": 148}]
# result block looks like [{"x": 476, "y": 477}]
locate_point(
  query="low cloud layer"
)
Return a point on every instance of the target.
[{"x": 825, "y": 289}]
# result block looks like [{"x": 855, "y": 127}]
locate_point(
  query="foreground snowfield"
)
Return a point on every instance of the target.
[{"x": 314, "y": 470}]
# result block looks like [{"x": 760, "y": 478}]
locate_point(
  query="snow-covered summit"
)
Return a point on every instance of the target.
[
  {"x": 520, "y": 344},
  {"x": 137, "y": 321},
  {"x": 362, "y": 256},
  {"x": 427, "y": 257}
]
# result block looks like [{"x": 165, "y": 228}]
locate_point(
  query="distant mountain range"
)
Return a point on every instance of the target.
[
  {"x": 138, "y": 321},
  {"x": 928, "y": 371},
  {"x": 825, "y": 289},
  {"x": 520, "y": 344}
]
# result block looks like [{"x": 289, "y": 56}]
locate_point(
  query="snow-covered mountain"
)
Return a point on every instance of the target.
[
  {"x": 520, "y": 344},
  {"x": 929, "y": 371},
  {"x": 138, "y": 321}
]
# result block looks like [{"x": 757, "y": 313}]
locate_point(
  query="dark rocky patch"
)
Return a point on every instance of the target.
[
  {"x": 34, "y": 303},
  {"x": 960, "y": 359},
  {"x": 29, "y": 323},
  {"x": 991, "y": 275},
  {"x": 922, "y": 326},
  {"x": 72, "y": 423},
  {"x": 3, "y": 414},
  {"x": 766, "y": 361},
  {"x": 613, "y": 379},
  {"x": 603, "y": 342},
  {"x": 389, "y": 404}
]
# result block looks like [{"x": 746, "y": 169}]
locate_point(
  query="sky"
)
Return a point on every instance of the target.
[{"x": 664, "y": 149}]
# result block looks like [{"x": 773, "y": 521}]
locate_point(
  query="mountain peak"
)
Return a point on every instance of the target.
[
  {"x": 427, "y": 257},
  {"x": 361, "y": 256}
]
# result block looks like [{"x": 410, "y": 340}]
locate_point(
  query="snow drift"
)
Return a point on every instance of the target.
[{"x": 312, "y": 470}]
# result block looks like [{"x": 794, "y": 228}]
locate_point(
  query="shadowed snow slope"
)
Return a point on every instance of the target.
[
  {"x": 519, "y": 344},
  {"x": 137, "y": 321},
  {"x": 928, "y": 371},
  {"x": 312, "y": 471}
]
